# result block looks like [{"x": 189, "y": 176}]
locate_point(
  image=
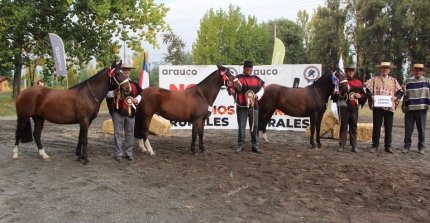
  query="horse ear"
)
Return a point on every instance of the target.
[
  {"x": 219, "y": 66},
  {"x": 120, "y": 63},
  {"x": 113, "y": 64}
]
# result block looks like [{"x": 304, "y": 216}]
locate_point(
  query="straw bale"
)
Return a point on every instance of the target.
[{"x": 159, "y": 126}]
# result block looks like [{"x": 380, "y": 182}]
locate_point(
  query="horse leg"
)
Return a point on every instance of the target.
[
  {"x": 193, "y": 138},
  {"x": 263, "y": 125},
  {"x": 38, "y": 127},
  {"x": 23, "y": 133},
  {"x": 311, "y": 138},
  {"x": 79, "y": 147},
  {"x": 201, "y": 129},
  {"x": 84, "y": 129},
  {"x": 144, "y": 144},
  {"x": 318, "y": 128}
]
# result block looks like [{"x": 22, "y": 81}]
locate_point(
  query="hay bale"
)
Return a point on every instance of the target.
[
  {"x": 159, "y": 126},
  {"x": 364, "y": 132},
  {"x": 108, "y": 127},
  {"x": 327, "y": 123}
]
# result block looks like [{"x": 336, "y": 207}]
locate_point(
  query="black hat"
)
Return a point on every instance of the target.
[{"x": 248, "y": 63}]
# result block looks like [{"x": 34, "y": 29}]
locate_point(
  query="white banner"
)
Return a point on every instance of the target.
[
  {"x": 58, "y": 54},
  {"x": 178, "y": 78}
]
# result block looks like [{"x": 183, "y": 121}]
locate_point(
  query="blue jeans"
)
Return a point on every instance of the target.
[{"x": 244, "y": 114}]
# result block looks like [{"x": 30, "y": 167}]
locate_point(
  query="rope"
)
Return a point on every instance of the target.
[{"x": 89, "y": 86}]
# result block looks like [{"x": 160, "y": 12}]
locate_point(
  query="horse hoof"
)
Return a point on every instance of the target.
[
  {"x": 46, "y": 158},
  {"x": 86, "y": 162},
  {"x": 152, "y": 154}
]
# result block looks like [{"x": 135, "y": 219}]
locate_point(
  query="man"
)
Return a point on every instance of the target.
[
  {"x": 383, "y": 85},
  {"x": 349, "y": 114},
  {"x": 247, "y": 106},
  {"x": 122, "y": 111},
  {"x": 416, "y": 101}
]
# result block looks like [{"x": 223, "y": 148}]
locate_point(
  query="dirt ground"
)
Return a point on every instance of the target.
[{"x": 287, "y": 183}]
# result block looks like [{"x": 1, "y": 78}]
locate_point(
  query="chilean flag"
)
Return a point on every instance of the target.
[{"x": 144, "y": 73}]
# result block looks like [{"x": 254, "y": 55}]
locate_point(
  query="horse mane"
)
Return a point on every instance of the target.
[
  {"x": 204, "y": 80},
  {"x": 85, "y": 81},
  {"x": 319, "y": 79}
]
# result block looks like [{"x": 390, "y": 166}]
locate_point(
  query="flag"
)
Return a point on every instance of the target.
[
  {"x": 144, "y": 73},
  {"x": 278, "y": 52},
  {"x": 58, "y": 54},
  {"x": 340, "y": 62}
]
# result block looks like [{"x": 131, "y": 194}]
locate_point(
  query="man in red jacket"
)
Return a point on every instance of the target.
[
  {"x": 349, "y": 114},
  {"x": 122, "y": 110}
]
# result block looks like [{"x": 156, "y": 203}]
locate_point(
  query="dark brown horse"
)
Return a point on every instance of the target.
[
  {"x": 309, "y": 101},
  {"x": 79, "y": 104},
  {"x": 190, "y": 105}
]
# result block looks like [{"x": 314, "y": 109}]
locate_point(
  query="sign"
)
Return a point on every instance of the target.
[
  {"x": 383, "y": 101},
  {"x": 179, "y": 78},
  {"x": 58, "y": 54}
]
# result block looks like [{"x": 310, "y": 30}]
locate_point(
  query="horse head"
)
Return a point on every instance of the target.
[
  {"x": 119, "y": 79},
  {"x": 229, "y": 81}
]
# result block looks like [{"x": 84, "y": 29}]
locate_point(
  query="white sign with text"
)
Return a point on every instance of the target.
[{"x": 179, "y": 78}]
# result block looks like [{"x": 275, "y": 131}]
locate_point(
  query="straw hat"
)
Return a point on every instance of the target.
[
  {"x": 386, "y": 64},
  {"x": 349, "y": 67},
  {"x": 418, "y": 66},
  {"x": 127, "y": 66}
]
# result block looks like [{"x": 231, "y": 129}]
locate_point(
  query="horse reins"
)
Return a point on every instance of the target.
[{"x": 92, "y": 92}]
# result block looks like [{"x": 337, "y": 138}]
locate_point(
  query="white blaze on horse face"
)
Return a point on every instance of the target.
[
  {"x": 15, "y": 153},
  {"x": 43, "y": 154}
]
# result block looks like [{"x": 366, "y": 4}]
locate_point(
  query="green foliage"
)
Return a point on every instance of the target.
[
  {"x": 228, "y": 37},
  {"x": 327, "y": 39},
  {"x": 7, "y": 105},
  {"x": 88, "y": 28},
  {"x": 175, "y": 49},
  {"x": 292, "y": 36}
]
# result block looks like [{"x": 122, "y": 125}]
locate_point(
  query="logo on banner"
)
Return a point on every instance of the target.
[{"x": 311, "y": 73}]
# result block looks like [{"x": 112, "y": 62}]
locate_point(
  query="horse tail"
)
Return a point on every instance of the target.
[
  {"x": 26, "y": 133},
  {"x": 138, "y": 134}
]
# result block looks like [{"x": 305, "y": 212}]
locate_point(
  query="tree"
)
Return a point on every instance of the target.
[
  {"x": 327, "y": 40},
  {"x": 89, "y": 29},
  {"x": 175, "y": 49},
  {"x": 303, "y": 21},
  {"x": 229, "y": 37}
]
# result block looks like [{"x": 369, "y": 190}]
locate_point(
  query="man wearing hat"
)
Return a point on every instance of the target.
[
  {"x": 247, "y": 106},
  {"x": 122, "y": 107},
  {"x": 416, "y": 101},
  {"x": 383, "y": 85},
  {"x": 349, "y": 114}
]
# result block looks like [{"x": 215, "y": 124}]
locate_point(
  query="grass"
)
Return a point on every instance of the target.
[{"x": 7, "y": 104}]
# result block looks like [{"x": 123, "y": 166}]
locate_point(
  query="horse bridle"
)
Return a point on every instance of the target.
[
  {"x": 111, "y": 76},
  {"x": 227, "y": 81}
]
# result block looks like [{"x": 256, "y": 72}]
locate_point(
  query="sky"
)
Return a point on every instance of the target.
[{"x": 184, "y": 16}]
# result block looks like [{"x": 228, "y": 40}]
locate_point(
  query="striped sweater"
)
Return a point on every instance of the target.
[{"x": 417, "y": 93}]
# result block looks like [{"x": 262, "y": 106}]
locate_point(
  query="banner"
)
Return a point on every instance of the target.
[
  {"x": 179, "y": 78},
  {"x": 144, "y": 73},
  {"x": 58, "y": 54},
  {"x": 278, "y": 52}
]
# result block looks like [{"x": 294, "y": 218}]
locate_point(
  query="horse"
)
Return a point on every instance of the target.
[
  {"x": 78, "y": 104},
  {"x": 193, "y": 104},
  {"x": 309, "y": 101}
]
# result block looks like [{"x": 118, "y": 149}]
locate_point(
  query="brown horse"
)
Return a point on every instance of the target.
[
  {"x": 79, "y": 104},
  {"x": 190, "y": 105},
  {"x": 309, "y": 101}
]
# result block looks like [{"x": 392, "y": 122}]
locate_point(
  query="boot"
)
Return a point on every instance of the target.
[
  {"x": 341, "y": 148},
  {"x": 354, "y": 149},
  {"x": 239, "y": 149},
  {"x": 388, "y": 150},
  {"x": 256, "y": 150}
]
